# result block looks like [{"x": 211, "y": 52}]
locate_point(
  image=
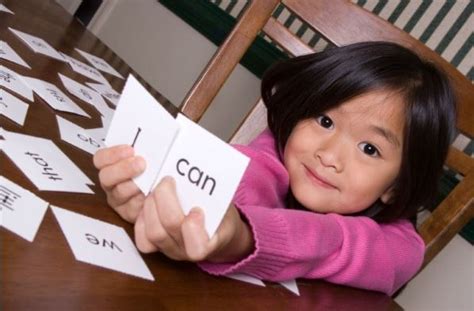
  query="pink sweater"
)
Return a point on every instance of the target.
[{"x": 354, "y": 251}]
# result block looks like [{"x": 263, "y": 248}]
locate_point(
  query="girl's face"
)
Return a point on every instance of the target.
[{"x": 347, "y": 158}]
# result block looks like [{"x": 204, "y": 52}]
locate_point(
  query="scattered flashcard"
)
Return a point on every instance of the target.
[
  {"x": 44, "y": 163},
  {"x": 246, "y": 278},
  {"x": 53, "y": 96},
  {"x": 99, "y": 63},
  {"x": 207, "y": 171},
  {"x": 85, "y": 70},
  {"x": 106, "y": 91},
  {"x": 12, "y": 107},
  {"x": 88, "y": 95},
  {"x": 13, "y": 81},
  {"x": 143, "y": 123},
  {"x": 38, "y": 45},
  {"x": 291, "y": 286},
  {"x": 77, "y": 136},
  {"x": 22, "y": 211},
  {"x": 5, "y": 9},
  {"x": 100, "y": 243},
  {"x": 6, "y": 52}
]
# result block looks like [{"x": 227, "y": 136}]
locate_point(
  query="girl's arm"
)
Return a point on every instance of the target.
[{"x": 289, "y": 244}]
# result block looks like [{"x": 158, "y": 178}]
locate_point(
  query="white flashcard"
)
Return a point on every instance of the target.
[
  {"x": 38, "y": 45},
  {"x": 99, "y": 63},
  {"x": 291, "y": 286},
  {"x": 246, "y": 278},
  {"x": 100, "y": 133},
  {"x": 13, "y": 108},
  {"x": 77, "y": 136},
  {"x": 109, "y": 93},
  {"x": 88, "y": 95},
  {"x": 47, "y": 167},
  {"x": 207, "y": 171},
  {"x": 13, "y": 81},
  {"x": 5, "y": 9},
  {"x": 6, "y": 52},
  {"x": 85, "y": 70},
  {"x": 140, "y": 121},
  {"x": 101, "y": 244},
  {"x": 53, "y": 96},
  {"x": 22, "y": 211}
]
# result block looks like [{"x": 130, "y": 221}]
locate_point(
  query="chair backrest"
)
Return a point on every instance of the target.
[{"x": 341, "y": 22}]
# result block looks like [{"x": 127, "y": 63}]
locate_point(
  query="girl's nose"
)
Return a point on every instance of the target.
[{"x": 330, "y": 153}]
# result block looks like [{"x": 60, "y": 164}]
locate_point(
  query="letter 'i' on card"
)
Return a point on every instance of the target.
[
  {"x": 206, "y": 169},
  {"x": 22, "y": 211},
  {"x": 100, "y": 243},
  {"x": 140, "y": 121}
]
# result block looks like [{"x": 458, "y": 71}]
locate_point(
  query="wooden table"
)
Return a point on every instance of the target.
[{"x": 44, "y": 275}]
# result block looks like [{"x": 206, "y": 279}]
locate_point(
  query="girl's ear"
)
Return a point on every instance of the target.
[{"x": 387, "y": 196}]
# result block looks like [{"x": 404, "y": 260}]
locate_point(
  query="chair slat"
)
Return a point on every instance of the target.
[
  {"x": 288, "y": 41},
  {"x": 459, "y": 161}
]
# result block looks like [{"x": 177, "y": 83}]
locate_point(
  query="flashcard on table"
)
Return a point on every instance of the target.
[
  {"x": 291, "y": 286},
  {"x": 85, "y": 70},
  {"x": 140, "y": 121},
  {"x": 246, "y": 278},
  {"x": 5, "y": 9},
  {"x": 100, "y": 243},
  {"x": 22, "y": 211},
  {"x": 13, "y": 81},
  {"x": 13, "y": 108},
  {"x": 109, "y": 93},
  {"x": 47, "y": 167},
  {"x": 78, "y": 136},
  {"x": 99, "y": 63},
  {"x": 88, "y": 95},
  {"x": 207, "y": 171},
  {"x": 38, "y": 45},
  {"x": 6, "y": 52},
  {"x": 53, "y": 96}
]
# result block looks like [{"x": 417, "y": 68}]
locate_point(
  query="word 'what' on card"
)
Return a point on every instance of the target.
[{"x": 207, "y": 170}]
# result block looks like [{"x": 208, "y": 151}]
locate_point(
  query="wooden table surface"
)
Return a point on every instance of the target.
[{"x": 44, "y": 275}]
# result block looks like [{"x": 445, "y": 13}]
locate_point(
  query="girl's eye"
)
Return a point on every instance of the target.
[
  {"x": 369, "y": 149},
  {"x": 325, "y": 122}
]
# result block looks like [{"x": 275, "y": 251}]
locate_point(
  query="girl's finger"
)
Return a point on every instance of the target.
[
  {"x": 130, "y": 210},
  {"x": 107, "y": 156},
  {"x": 122, "y": 193},
  {"x": 196, "y": 240},
  {"x": 156, "y": 233},
  {"x": 126, "y": 169},
  {"x": 169, "y": 209},
  {"x": 141, "y": 240}
]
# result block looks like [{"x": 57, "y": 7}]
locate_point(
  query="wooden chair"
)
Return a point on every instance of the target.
[{"x": 341, "y": 22}]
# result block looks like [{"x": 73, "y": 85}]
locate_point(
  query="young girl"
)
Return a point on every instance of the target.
[{"x": 356, "y": 142}]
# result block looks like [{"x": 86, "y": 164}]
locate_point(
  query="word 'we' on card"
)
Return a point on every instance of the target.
[
  {"x": 207, "y": 170},
  {"x": 100, "y": 243}
]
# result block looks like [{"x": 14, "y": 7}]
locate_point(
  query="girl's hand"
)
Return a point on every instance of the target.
[
  {"x": 162, "y": 226},
  {"x": 117, "y": 166}
]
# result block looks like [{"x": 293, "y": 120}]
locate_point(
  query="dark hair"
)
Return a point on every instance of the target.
[{"x": 306, "y": 86}]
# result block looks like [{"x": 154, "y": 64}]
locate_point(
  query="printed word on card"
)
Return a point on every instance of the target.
[
  {"x": 100, "y": 243},
  {"x": 44, "y": 163},
  {"x": 13, "y": 108},
  {"x": 85, "y": 70},
  {"x": 13, "y": 81},
  {"x": 207, "y": 171},
  {"x": 110, "y": 94},
  {"x": 38, "y": 45},
  {"x": 140, "y": 121},
  {"x": 53, "y": 96},
  {"x": 88, "y": 95},
  {"x": 22, "y": 211},
  {"x": 99, "y": 63},
  {"x": 6, "y": 52},
  {"x": 78, "y": 136}
]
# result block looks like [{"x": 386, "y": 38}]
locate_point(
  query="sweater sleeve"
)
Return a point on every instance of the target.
[{"x": 354, "y": 251}]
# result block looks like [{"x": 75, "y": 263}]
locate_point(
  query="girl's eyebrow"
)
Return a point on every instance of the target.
[{"x": 387, "y": 134}]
